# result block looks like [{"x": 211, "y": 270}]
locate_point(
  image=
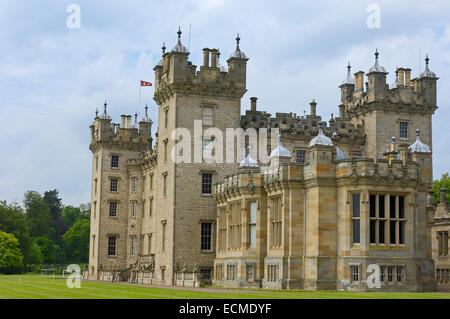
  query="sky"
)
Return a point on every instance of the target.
[{"x": 53, "y": 77}]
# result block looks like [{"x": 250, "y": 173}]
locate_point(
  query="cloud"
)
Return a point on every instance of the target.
[{"x": 52, "y": 78}]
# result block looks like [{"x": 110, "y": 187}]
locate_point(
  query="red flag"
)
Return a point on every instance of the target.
[{"x": 143, "y": 83}]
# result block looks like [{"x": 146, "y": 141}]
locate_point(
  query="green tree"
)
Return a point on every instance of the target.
[
  {"x": 10, "y": 255},
  {"x": 73, "y": 214},
  {"x": 38, "y": 215},
  {"x": 13, "y": 221},
  {"x": 444, "y": 182},
  {"x": 76, "y": 241},
  {"x": 56, "y": 222},
  {"x": 47, "y": 248}
]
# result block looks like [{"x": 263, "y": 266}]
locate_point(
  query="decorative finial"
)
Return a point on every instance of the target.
[
  {"x": 426, "y": 59},
  {"x": 146, "y": 108},
  {"x": 163, "y": 48},
  {"x": 331, "y": 115},
  {"x": 96, "y": 112},
  {"x": 105, "y": 106},
  {"x": 349, "y": 67},
  {"x": 247, "y": 151},
  {"x": 418, "y": 132},
  {"x": 376, "y": 54},
  {"x": 179, "y": 32}
]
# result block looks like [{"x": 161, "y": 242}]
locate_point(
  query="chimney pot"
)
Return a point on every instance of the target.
[{"x": 253, "y": 103}]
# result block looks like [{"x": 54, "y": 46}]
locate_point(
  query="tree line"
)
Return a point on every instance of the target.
[{"x": 44, "y": 231}]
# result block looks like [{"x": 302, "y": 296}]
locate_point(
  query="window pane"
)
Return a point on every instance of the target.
[
  {"x": 373, "y": 239},
  {"x": 381, "y": 206},
  {"x": 372, "y": 205},
  {"x": 356, "y": 231},
  {"x": 401, "y": 232},
  {"x": 355, "y": 205},
  {"x": 252, "y": 235},
  {"x": 404, "y": 129},
  {"x": 252, "y": 213},
  {"x": 401, "y": 206},
  {"x": 300, "y": 156},
  {"x": 381, "y": 232},
  {"x": 206, "y": 236},
  {"x": 114, "y": 161},
  {"x": 392, "y": 231},
  {"x": 392, "y": 206},
  {"x": 206, "y": 183}
]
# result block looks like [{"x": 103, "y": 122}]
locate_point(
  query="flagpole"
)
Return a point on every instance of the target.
[{"x": 139, "y": 106}]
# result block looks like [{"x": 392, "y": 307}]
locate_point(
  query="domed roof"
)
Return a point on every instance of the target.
[
  {"x": 238, "y": 53},
  {"x": 377, "y": 67},
  {"x": 248, "y": 161},
  {"x": 427, "y": 73},
  {"x": 321, "y": 139},
  {"x": 340, "y": 155},
  {"x": 280, "y": 151},
  {"x": 179, "y": 47},
  {"x": 418, "y": 146},
  {"x": 349, "y": 79}
]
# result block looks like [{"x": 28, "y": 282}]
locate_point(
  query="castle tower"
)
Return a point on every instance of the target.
[
  {"x": 391, "y": 112},
  {"x": 197, "y": 101},
  {"x": 116, "y": 191}
]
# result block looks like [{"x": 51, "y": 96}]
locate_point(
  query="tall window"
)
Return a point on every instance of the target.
[
  {"x": 219, "y": 271},
  {"x": 132, "y": 245},
  {"x": 133, "y": 209},
  {"x": 442, "y": 237},
  {"x": 115, "y": 161},
  {"x": 207, "y": 115},
  {"x": 356, "y": 219},
  {"x": 354, "y": 273},
  {"x": 164, "y": 184},
  {"x": 149, "y": 248},
  {"x": 276, "y": 223},
  {"x": 112, "y": 209},
  {"x": 150, "y": 204},
  {"x": 250, "y": 272},
  {"x": 166, "y": 118},
  {"x": 165, "y": 149},
  {"x": 235, "y": 231},
  {"x": 163, "y": 236},
  {"x": 222, "y": 221},
  {"x": 231, "y": 272},
  {"x": 114, "y": 182},
  {"x": 151, "y": 181},
  {"x": 206, "y": 183},
  {"x": 252, "y": 225},
  {"x": 387, "y": 226},
  {"x": 403, "y": 129},
  {"x": 272, "y": 273},
  {"x": 112, "y": 245},
  {"x": 133, "y": 184},
  {"x": 206, "y": 236},
  {"x": 207, "y": 149},
  {"x": 300, "y": 156}
]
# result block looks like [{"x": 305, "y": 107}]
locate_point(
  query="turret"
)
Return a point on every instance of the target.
[
  {"x": 178, "y": 62},
  {"x": 347, "y": 87},
  {"x": 421, "y": 154},
  {"x": 145, "y": 127},
  {"x": 427, "y": 84},
  {"x": 103, "y": 125},
  {"x": 376, "y": 90},
  {"x": 237, "y": 66},
  {"x": 159, "y": 67},
  {"x": 321, "y": 154}
]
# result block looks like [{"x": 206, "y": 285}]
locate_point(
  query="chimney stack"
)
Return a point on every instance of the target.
[
  {"x": 122, "y": 121},
  {"x": 214, "y": 58},
  {"x": 128, "y": 121},
  {"x": 408, "y": 77},
  {"x": 359, "y": 81},
  {"x": 401, "y": 77},
  {"x": 313, "y": 107},
  {"x": 253, "y": 103},
  {"x": 206, "y": 57},
  {"x": 341, "y": 110}
]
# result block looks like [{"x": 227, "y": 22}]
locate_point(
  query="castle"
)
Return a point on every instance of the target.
[{"x": 334, "y": 199}]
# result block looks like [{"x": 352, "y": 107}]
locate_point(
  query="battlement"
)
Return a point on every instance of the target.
[
  {"x": 135, "y": 136},
  {"x": 356, "y": 170},
  {"x": 405, "y": 94},
  {"x": 305, "y": 127},
  {"x": 174, "y": 73}
]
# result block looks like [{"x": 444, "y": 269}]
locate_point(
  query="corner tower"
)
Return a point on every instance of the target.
[{"x": 186, "y": 211}]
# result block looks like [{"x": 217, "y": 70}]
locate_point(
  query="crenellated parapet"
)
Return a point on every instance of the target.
[{"x": 175, "y": 74}]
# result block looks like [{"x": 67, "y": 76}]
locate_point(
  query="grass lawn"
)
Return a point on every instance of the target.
[{"x": 37, "y": 287}]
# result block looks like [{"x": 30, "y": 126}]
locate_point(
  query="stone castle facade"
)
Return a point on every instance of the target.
[{"x": 335, "y": 198}]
